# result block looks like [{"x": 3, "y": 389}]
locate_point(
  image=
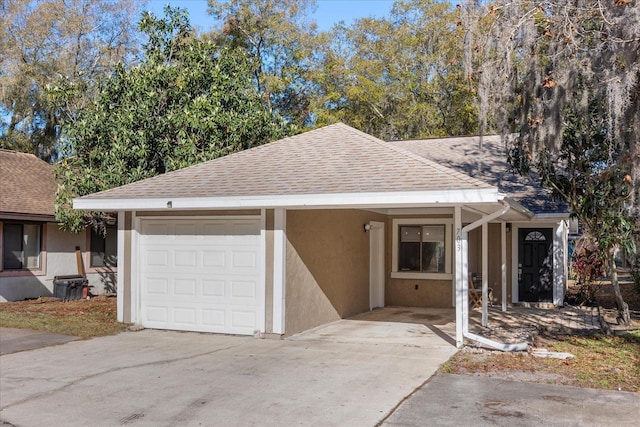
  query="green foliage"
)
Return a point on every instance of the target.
[
  {"x": 51, "y": 44},
  {"x": 189, "y": 101},
  {"x": 398, "y": 77},
  {"x": 278, "y": 35}
]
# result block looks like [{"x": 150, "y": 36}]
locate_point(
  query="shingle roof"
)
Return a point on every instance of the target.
[
  {"x": 488, "y": 164},
  {"x": 27, "y": 185},
  {"x": 332, "y": 159}
]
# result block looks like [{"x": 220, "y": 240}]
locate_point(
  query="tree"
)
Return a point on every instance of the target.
[
  {"x": 565, "y": 77},
  {"x": 189, "y": 100},
  {"x": 398, "y": 77},
  {"x": 56, "y": 42},
  {"x": 281, "y": 37}
]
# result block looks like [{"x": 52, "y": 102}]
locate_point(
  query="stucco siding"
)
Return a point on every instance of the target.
[
  {"x": 327, "y": 267},
  {"x": 420, "y": 293},
  {"x": 60, "y": 260}
]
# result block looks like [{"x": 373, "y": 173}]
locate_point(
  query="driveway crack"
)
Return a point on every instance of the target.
[{"x": 121, "y": 368}]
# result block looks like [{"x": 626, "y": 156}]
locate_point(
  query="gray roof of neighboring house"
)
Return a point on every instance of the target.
[
  {"x": 329, "y": 160},
  {"x": 488, "y": 164},
  {"x": 27, "y": 185}
]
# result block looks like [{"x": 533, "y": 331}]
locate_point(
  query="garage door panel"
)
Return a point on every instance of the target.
[
  {"x": 158, "y": 258},
  {"x": 185, "y": 258},
  {"x": 214, "y": 259},
  {"x": 202, "y": 276},
  {"x": 185, "y": 287},
  {"x": 157, "y": 313}
]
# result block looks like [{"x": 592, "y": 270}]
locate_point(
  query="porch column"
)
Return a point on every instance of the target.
[
  {"x": 460, "y": 273},
  {"x": 485, "y": 274},
  {"x": 279, "y": 266},
  {"x": 503, "y": 263}
]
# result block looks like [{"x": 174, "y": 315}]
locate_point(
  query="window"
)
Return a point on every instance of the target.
[
  {"x": 421, "y": 248},
  {"x": 22, "y": 246},
  {"x": 104, "y": 249}
]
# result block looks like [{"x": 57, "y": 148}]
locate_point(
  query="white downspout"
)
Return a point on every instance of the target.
[{"x": 465, "y": 290}]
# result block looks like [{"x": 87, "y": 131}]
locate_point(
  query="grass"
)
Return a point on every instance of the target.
[
  {"x": 82, "y": 318},
  {"x": 604, "y": 362}
]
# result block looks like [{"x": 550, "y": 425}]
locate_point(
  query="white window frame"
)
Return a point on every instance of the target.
[{"x": 448, "y": 246}]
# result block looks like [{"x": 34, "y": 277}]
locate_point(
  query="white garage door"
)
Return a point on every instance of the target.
[{"x": 200, "y": 274}]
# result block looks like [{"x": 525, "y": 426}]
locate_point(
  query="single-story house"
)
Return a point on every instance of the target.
[
  {"x": 306, "y": 230},
  {"x": 33, "y": 249}
]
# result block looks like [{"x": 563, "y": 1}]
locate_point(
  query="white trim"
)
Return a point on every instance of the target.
[
  {"x": 279, "y": 270},
  {"x": 559, "y": 263},
  {"x": 121, "y": 261},
  {"x": 460, "y": 271},
  {"x": 448, "y": 223},
  {"x": 503, "y": 264},
  {"x": 135, "y": 259},
  {"x": 262, "y": 285},
  {"x": 360, "y": 200},
  {"x": 485, "y": 274}
]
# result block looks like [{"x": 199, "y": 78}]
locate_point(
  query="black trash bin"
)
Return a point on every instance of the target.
[{"x": 69, "y": 288}]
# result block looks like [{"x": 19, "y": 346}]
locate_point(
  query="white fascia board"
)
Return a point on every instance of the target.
[
  {"x": 356, "y": 200},
  {"x": 551, "y": 217},
  {"x": 516, "y": 206}
]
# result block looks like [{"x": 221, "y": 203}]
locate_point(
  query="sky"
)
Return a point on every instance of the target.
[{"x": 328, "y": 12}]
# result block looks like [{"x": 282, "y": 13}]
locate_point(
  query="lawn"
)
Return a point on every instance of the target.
[
  {"x": 82, "y": 318},
  {"x": 605, "y": 362}
]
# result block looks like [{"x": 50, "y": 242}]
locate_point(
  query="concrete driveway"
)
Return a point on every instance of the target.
[
  {"x": 463, "y": 400},
  {"x": 352, "y": 372}
]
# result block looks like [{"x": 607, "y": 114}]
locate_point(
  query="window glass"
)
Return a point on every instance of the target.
[
  {"x": 104, "y": 248},
  {"x": 422, "y": 248},
  {"x": 21, "y": 246},
  {"x": 31, "y": 246}
]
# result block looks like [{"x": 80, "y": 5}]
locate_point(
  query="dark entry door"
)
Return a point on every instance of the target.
[{"x": 535, "y": 265}]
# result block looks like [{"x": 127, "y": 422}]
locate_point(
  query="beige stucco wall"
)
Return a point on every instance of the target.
[
  {"x": 420, "y": 293},
  {"x": 327, "y": 266}
]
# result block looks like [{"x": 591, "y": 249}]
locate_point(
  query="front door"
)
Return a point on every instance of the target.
[{"x": 535, "y": 265}]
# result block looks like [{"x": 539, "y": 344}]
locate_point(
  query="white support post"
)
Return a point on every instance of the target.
[
  {"x": 121, "y": 271},
  {"x": 459, "y": 275},
  {"x": 485, "y": 274},
  {"x": 279, "y": 265},
  {"x": 503, "y": 263}
]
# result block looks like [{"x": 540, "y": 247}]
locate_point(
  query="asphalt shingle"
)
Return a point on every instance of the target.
[
  {"x": 330, "y": 160},
  {"x": 27, "y": 185},
  {"x": 488, "y": 164}
]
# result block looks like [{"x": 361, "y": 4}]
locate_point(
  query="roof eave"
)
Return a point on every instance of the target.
[{"x": 335, "y": 200}]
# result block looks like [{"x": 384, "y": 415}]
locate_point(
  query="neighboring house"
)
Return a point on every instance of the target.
[
  {"x": 303, "y": 231},
  {"x": 537, "y": 245},
  {"x": 33, "y": 249}
]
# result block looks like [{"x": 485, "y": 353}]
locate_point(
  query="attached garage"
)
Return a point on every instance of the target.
[{"x": 200, "y": 274}]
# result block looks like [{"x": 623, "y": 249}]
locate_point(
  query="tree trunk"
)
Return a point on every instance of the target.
[{"x": 623, "y": 308}]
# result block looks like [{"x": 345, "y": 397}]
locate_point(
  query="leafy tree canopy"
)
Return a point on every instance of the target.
[
  {"x": 565, "y": 77},
  {"x": 190, "y": 100},
  {"x": 398, "y": 77},
  {"x": 281, "y": 37},
  {"x": 56, "y": 42}
]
